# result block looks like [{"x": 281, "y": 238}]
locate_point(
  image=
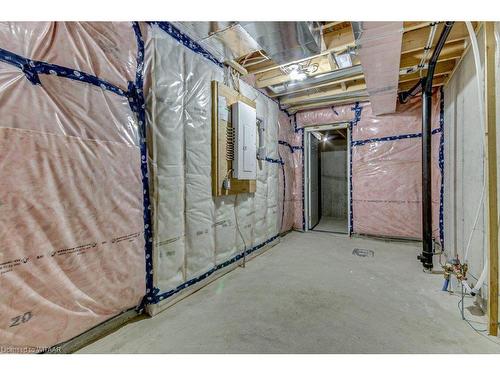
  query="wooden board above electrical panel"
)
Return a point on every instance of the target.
[{"x": 221, "y": 166}]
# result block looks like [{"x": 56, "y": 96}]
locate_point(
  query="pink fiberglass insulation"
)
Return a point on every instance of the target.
[
  {"x": 325, "y": 116},
  {"x": 298, "y": 215},
  {"x": 71, "y": 215},
  {"x": 386, "y": 172},
  {"x": 291, "y": 151},
  {"x": 286, "y": 175},
  {"x": 105, "y": 49}
]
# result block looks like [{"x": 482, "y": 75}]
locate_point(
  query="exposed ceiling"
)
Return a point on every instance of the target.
[{"x": 337, "y": 75}]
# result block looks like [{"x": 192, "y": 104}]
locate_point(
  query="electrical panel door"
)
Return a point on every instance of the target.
[{"x": 244, "y": 119}]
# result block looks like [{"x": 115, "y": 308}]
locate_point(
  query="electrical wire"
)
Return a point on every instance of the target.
[
  {"x": 461, "y": 308},
  {"x": 239, "y": 231},
  {"x": 469, "y": 322},
  {"x": 427, "y": 48}
]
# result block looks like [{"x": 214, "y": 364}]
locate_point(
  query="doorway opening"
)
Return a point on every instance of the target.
[{"x": 326, "y": 174}]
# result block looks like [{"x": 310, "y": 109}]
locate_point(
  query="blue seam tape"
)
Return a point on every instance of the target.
[
  {"x": 385, "y": 139},
  {"x": 186, "y": 41},
  {"x": 357, "y": 117},
  {"x": 137, "y": 104},
  {"x": 392, "y": 138},
  {"x": 160, "y": 297},
  {"x": 303, "y": 178},
  {"x": 350, "y": 181},
  {"x": 291, "y": 147},
  {"x": 274, "y": 161},
  {"x": 32, "y": 68},
  {"x": 441, "y": 168},
  {"x": 284, "y": 190}
]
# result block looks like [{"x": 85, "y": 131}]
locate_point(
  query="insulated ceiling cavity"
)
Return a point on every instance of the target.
[
  {"x": 225, "y": 40},
  {"x": 379, "y": 49},
  {"x": 284, "y": 42}
]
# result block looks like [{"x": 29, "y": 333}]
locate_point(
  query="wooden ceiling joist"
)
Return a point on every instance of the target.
[
  {"x": 303, "y": 107},
  {"x": 442, "y": 68},
  {"x": 321, "y": 85},
  {"x": 450, "y": 51},
  {"x": 329, "y": 25},
  {"x": 275, "y": 77},
  {"x": 415, "y": 40},
  {"x": 414, "y": 25},
  {"x": 338, "y": 38},
  {"x": 436, "y": 82}
]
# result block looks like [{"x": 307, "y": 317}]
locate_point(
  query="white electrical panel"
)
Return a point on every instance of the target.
[{"x": 244, "y": 120}]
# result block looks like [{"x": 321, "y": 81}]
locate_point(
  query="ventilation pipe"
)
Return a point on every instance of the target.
[
  {"x": 427, "y": 248},
  {"x": 379, "y": 50}
]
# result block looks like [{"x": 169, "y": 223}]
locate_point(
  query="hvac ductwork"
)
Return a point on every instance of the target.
[
  {"x": 379, "y": 49},
  {"x": 284, "y": 42},
  {"x": 225, "y": 40}
]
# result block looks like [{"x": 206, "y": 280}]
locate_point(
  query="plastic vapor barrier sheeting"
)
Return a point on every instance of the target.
[
  {"x": 195, "y": 232},
  {"x": 386, "y": 177},
  {"x": 71, "y": 212},
  {"x": 325, "y": 116},
  {"x": 287, "y": 149},
  {"x": 387, "y": 172}
]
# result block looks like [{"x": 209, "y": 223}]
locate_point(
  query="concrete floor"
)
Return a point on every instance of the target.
[
  {"x": 332, "y": 224},
  {"x": 310, "y": 294}
]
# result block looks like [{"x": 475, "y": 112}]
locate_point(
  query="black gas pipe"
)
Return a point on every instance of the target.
[
  {"x": 425, "y": 84},
  {"x": 427, "y": 246}
]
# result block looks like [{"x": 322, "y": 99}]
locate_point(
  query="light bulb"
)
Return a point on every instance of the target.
[{"x": 297, "y": 76}]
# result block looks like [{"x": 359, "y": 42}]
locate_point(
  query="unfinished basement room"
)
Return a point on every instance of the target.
[{"x": 171, "y": 185}]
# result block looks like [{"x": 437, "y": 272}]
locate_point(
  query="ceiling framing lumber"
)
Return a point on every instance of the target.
[
  {"x": 457, "y": 64},
  {"x": 415, "y": 40},
  {"x": 442, "y": 68},
  {"x": 337, "y": 38},
  {"x": 410, "y": 26},
  {"x": 276, "y": 77},
  {"x": 436, "y": 82},
  {"x": 339, "y": 81},
  {"x": 319, "y": 95},
  {"x": 450, "y": 51},
  {"x": 303, "y": 107}
]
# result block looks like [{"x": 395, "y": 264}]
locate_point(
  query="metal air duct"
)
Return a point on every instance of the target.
[{"x": 379, "y": 49}]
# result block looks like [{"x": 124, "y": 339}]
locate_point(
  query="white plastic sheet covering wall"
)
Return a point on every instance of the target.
[
  {"x": 464, "y": 164},
  {"x": 193, "y": 231},
  {"x": 71, "y": 215}
]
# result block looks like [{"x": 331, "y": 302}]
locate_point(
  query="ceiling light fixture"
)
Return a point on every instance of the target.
[
  {"x": 300, "y": 71},
  {"x": 344, "y": 60},
  {"x": 296, "y": 75}
]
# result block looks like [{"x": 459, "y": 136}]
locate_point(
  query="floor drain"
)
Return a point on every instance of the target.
[{"x": 363, "y": 253}]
